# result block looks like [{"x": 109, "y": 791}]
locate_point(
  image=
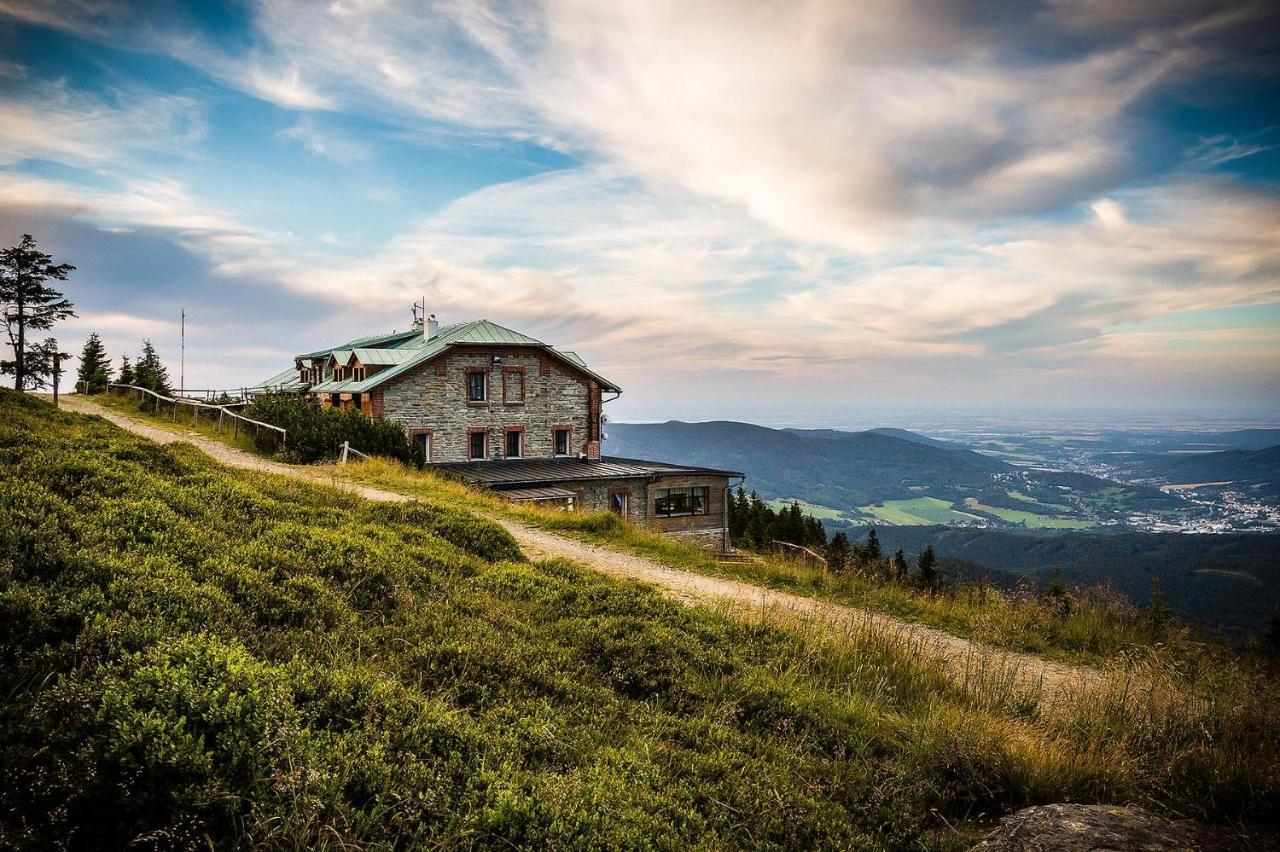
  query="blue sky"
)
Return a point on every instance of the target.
[{"x": 724, "y": 206}]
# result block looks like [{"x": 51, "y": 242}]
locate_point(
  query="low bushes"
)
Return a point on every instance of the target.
[
  {"x": 197, "y": 658},
  {"x": 314, "y": 433}
]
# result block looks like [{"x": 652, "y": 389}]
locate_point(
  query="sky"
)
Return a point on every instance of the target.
[{"x": 838, "y": 210}]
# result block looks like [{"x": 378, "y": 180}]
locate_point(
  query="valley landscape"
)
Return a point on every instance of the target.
[{"x": 1117, "y": 507}]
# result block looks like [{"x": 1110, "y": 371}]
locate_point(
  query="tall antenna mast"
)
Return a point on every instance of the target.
[{"x": 182, "y": 357}]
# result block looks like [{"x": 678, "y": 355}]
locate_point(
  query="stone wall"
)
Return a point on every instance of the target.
[
  {"x": 433, "y": 396},
  {"x": 594, "y": 496}
]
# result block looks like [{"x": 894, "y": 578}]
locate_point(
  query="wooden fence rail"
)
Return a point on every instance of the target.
[{"x": 223, "y": 411}]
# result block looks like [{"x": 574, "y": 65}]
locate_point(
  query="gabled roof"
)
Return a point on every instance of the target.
[{"x": 402, "y": 350}]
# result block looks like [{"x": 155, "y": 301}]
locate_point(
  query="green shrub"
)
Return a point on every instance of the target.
[
  {"x": 197, "y": 658},
  {"x": 315, "y": 433}
]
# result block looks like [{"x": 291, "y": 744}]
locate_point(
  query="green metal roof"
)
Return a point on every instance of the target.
[
  {"x": 416, "y": 349},
  {"x": 572, "y": 356},
  {"x": 383, "y": 356},
  {"x": 287, "y": 380}
]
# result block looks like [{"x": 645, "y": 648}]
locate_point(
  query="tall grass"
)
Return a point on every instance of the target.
[
  {"x": 1090, "y": 625},
  {"x": 191, "y": 656}
]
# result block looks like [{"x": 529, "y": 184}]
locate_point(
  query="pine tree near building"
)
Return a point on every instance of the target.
[
  {"x": 30, "y": 304},
  {"x": 150, "y": 372},
  {"x": 127, "y": 376},
  {"x": 95, "y": 367}
]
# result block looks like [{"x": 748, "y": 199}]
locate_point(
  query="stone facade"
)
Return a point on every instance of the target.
[
  {"x": 432, "y": 397},
  {"x": 701, "y": 530}
]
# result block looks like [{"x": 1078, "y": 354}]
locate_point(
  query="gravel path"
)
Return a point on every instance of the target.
[{"x": 965, "y": 660}]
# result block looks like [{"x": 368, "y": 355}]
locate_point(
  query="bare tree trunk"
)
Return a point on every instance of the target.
[{"x": 20, "y": 354}]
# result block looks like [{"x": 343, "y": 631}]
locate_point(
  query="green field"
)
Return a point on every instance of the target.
[
  {"x": 1030, "y": 519},
  {"x": 1027, "y": 498},
  {"x": 825, "y": 513},
  {"x": 918, "y": 511}
]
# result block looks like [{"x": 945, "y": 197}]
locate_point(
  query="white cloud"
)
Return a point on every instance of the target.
[
  {"x": 328, "y": 144},
  {"x": 50, "y": 120}
]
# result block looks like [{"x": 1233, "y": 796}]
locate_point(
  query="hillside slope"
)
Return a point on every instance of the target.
[{"x": 191, "y": 657}]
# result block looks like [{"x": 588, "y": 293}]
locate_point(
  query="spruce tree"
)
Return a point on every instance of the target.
[
  {"x": 30, "y": 304},
  {"x": 739, "y": 510},
  {"x": 95, "y": 368},
  {"x": 927, "y": 569},
  {"x": 839, "y": 552},
  {"x": 760, "y": 523},
  {"x": 150, "y": 372},
  {"x": 127, "y": 376},
  {"x": 871, "y": 553},
  {"x": 1158, "y": 615},
  {"x": 815, "y": 532},
  {"x": 898, "y": 568}
]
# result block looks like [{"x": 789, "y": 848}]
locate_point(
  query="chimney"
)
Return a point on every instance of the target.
[{"x": 433, "y": 327}]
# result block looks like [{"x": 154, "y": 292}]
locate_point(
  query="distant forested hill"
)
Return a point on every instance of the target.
[
  {"x": 1231, "y": 581},
  {"x": 1256, "y": 472},
  {"x": 846, "y": 470},
  {"x": 839, "y": 469}
]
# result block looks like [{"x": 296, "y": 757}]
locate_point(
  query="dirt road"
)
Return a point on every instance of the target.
[{"x": 965, "y": 660}]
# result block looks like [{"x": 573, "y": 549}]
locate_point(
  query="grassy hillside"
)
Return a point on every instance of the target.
[
  {"x": 1096, "y": 629},
  {"x": 191, "y": 657}
]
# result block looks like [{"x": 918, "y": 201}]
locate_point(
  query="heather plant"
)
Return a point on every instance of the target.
[{"x": 195, "y": 657}]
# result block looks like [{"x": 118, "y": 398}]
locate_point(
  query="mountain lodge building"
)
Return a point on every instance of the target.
[{"x": 513, "y": 414}]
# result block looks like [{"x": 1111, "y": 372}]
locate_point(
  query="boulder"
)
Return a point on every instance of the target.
[{"x": 1102, "y": 828}]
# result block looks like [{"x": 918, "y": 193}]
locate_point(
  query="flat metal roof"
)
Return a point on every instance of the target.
[
  {"x": 533, "y": 495},
  {"x": 508, "y": 473}
]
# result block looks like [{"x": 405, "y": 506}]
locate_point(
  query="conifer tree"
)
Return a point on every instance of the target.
[
  {"x": 898, "y": 568},
  {"x": 760, "y": 523},
  {"x": 150, "y": 372},
  {"x": 126, "y": 371},
  {"x": 29, "y": 304},
  {"x": 927, "y": 569},
  {"x": 1158, "y": 615},
  {"x": 871, "y": 553},
  {"x": 95, "y": 368},
  {"x": 815, "y": 532},
  {"x": 739, "y": 510},
  {"x": 839, "y": 552}
]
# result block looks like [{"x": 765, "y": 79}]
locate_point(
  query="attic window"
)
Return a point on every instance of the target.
[{"x": 358, "y": 374}]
